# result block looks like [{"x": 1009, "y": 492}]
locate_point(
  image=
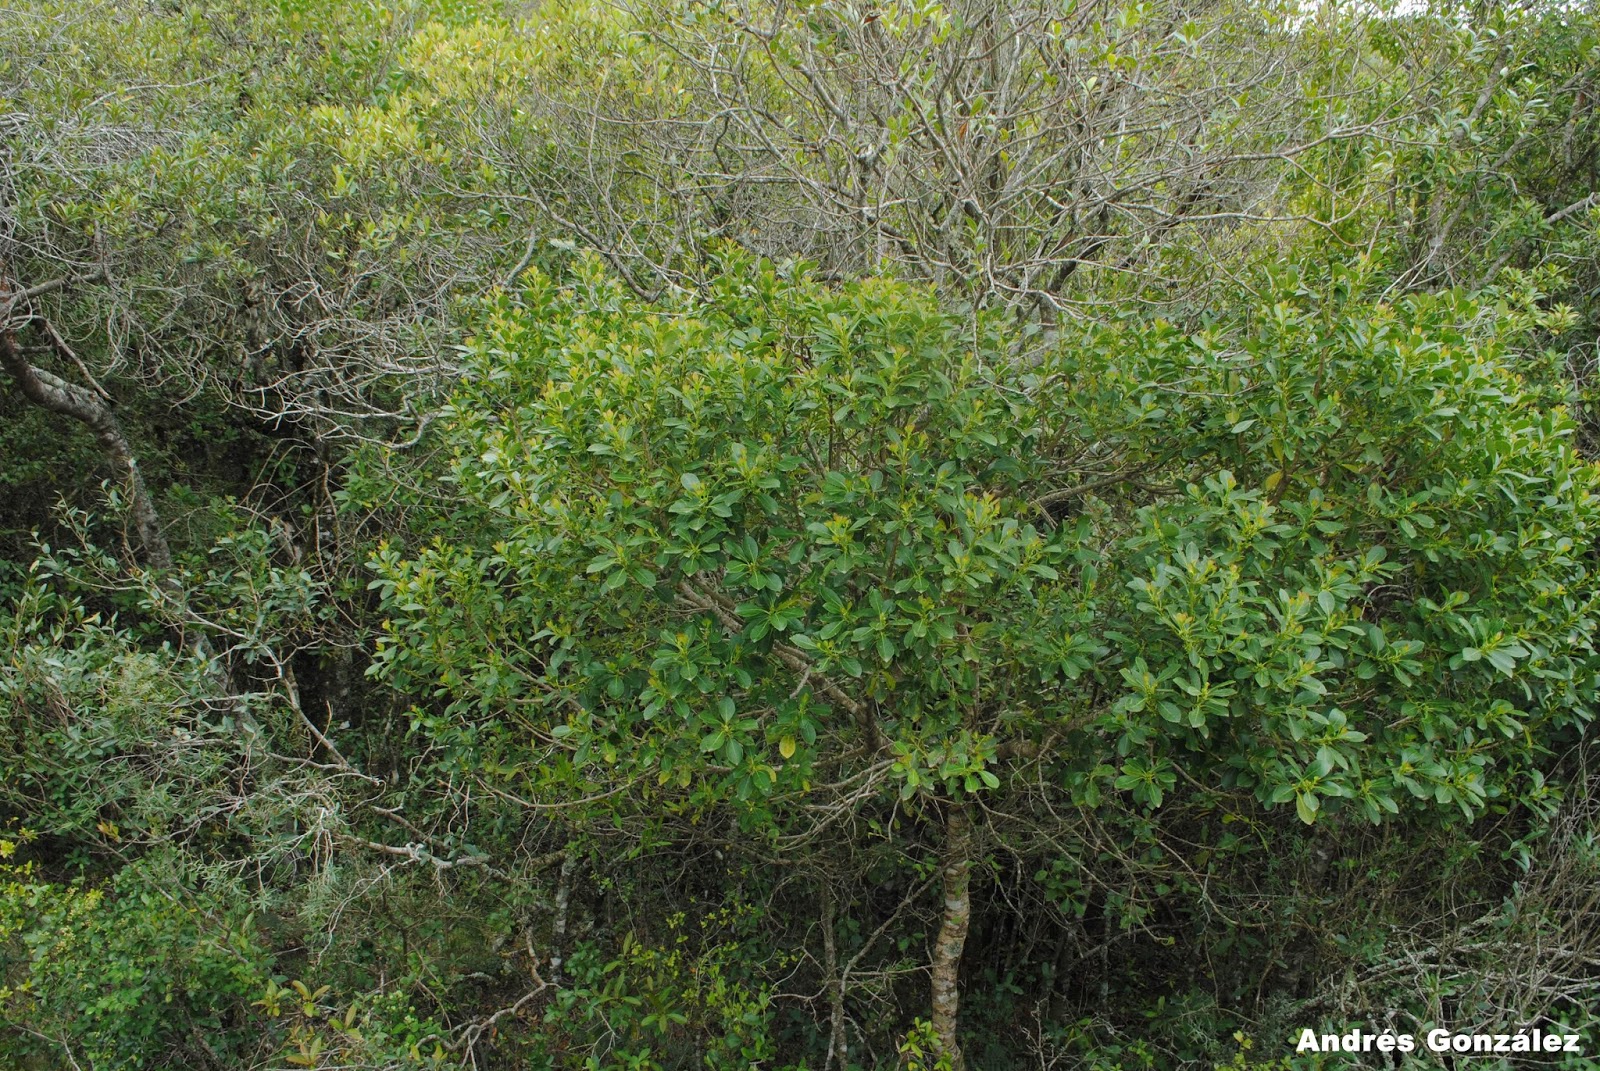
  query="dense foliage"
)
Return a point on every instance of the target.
[{"x": 669, "y": 534}]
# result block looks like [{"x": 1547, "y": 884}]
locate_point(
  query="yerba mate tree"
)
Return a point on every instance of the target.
[
  {"x": 820, "y": 562},
  {"x": 780, "y": 559}
]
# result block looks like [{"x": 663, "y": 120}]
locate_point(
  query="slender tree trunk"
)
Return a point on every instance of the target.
[
  {"x": 558, "y": 927},
  {"x": 956, "y": 870},
  {"x": 50, "y": 392},
  {"x": 838, "y": 1044},
  {"x": 58, "y": 396}
]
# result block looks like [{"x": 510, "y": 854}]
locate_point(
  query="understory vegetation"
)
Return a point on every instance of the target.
[{"x": 966, "y": 535}]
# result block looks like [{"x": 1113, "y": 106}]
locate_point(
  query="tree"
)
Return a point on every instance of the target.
[
  {"x": 226, "y": 255},
  {"x": 1011, "y": 152},
  {"x": 771, "y": 559},
  {"x": 796, "y": 552}
]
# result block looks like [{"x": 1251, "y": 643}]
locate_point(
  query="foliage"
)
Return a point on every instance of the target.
[
  {"x": 973, "y": 534},
  {"x": 123, "y": 974},
  {"x": 1376, "y": 584},
  {"x": 780, "y": 544},
  {"x": 819, "y": 516}
]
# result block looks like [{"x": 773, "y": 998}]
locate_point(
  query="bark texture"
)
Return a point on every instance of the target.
[
  {"x": 838, "y": 1045},
  {"x": 58, "y": 396},
  {"x": 955, "y": 875}
]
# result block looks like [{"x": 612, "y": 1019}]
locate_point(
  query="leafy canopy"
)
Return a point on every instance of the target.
[
  {"x": 796, "y": 535},
  {"x": 791, "y": 529}
]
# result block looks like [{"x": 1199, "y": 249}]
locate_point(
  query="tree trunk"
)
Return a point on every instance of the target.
[
  {"x": 55, "y": 394},
  {"x": 58, "y": 396},
  {"x": 955, "y": 872},
  {"x": 838, "y": 1044},
  {"x": 563, "y": 915}
]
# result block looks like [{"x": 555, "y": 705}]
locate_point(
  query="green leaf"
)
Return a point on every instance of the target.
[{"x": 1305, "y": 805}]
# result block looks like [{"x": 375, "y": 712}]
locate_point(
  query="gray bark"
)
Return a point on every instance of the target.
[
  {"x": 955, "y": 879},
  {"x": 58, "y": 396},
  {"x": 838, "y": 1044}
]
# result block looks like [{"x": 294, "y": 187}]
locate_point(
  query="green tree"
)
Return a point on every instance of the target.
[{"x": 795, "y": 552}]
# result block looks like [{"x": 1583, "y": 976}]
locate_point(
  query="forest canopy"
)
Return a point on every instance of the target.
[{"x": 659, "y": 534}]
